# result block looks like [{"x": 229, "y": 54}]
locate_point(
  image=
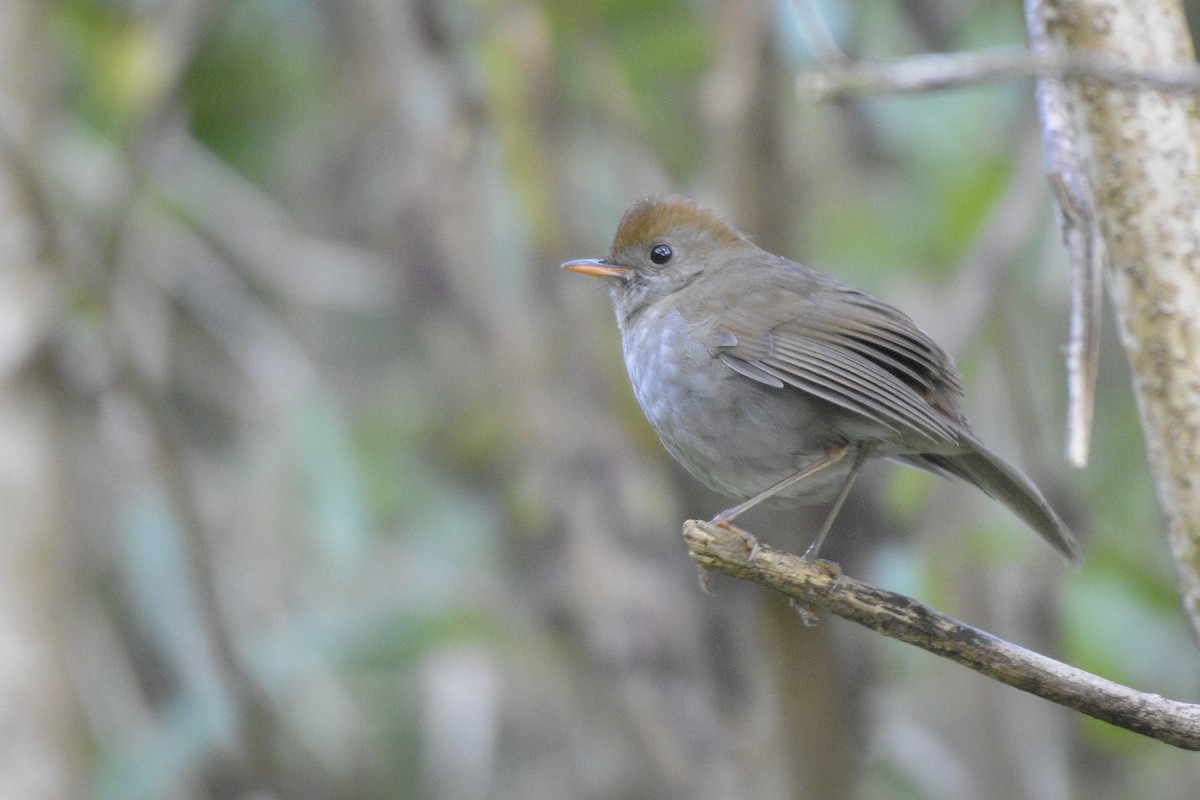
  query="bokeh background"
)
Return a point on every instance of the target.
[{"x": 319, "y": 479}]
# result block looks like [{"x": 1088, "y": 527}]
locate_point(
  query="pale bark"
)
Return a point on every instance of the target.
[{"x": 1139, "y": 156}]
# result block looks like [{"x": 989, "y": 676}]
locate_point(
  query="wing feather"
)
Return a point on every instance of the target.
[
  {"x": 888, "y": 398},
  {"x": 858, "y": 353}
]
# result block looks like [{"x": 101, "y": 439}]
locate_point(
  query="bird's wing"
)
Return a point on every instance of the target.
[{"x": 853, "y": 351}]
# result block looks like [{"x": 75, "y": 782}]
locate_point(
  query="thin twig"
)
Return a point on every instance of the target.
[
  {"x": 932, "y": 71},
  {"x": 1078, "y": 221},
  {"x": 820, "y": 585}
]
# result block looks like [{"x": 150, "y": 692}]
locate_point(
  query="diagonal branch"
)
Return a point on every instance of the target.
[{"x": 820, "y": 585}]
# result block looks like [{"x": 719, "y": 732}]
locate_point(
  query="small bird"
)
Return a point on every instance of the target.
[{"x": 768, "y": 379}]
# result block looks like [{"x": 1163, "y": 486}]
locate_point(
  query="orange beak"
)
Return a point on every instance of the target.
[{"x": 596, "y": 268}]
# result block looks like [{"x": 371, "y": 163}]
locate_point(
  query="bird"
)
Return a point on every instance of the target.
[{"x": 770, "y": 380}]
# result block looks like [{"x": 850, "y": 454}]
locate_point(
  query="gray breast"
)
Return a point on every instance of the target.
[{"x": 734, "y": 434}]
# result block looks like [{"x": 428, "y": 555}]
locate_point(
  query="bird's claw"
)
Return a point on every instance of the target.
[
  {"x": 750, "y": 539},
  {"x": 808, "y": 617},
  {"x": 831, "y": 568}
]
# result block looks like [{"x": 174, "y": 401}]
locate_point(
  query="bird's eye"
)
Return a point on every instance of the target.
[{"x": 660, "y": 254}]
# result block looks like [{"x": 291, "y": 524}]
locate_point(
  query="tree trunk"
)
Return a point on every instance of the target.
[
  {"x": 1139, "y": 159},
  {"x": 41, "y": 758}
]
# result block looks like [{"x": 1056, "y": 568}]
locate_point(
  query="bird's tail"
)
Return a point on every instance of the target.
[{"x": 1009, "y": 485}]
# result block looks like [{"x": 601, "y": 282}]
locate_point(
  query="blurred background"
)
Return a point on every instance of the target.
[{"x": 319, "y": 479}]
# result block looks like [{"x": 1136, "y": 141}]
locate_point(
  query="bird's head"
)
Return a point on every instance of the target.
[{"x": 662, "y": 245}]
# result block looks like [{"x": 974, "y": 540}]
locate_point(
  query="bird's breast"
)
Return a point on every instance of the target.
[{"x": 735, "y": 435}]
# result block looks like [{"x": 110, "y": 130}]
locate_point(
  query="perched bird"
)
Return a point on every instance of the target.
[{"x": 768, "y": 379}]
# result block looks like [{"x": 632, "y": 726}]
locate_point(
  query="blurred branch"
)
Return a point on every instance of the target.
[
  {"x": 255, "y": 718},
  {"x": 931, "y": 71},
  {"x": 820, "y": 585}
]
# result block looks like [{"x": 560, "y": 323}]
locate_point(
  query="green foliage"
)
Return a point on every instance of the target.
[
  {"x": 661, "y": 50},
  {"x": 922, "y": 215},
  {"x": 264, "y": 72},
  {"x": 114, "y": 65},
  {"x": 1124, "y": 623},
  {"x": 262, "y": 69}
]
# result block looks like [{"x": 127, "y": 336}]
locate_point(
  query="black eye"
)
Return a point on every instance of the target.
[{"x": 660, "y": 254}]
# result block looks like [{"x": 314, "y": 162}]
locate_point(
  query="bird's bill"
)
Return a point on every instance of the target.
[{"x": 595, "y": 267}]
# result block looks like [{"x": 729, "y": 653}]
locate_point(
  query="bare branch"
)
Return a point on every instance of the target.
[
  {"x": 820, "y": 585},
  {"x": 1078, "y": 222},
  {"x": 1075, "y": 211},
  {"x": 932, "y": 71}
]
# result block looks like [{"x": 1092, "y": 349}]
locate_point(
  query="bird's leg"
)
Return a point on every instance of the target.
[
  {"x": 832, "y": 456},
  {"x": 864, "y": 452}
]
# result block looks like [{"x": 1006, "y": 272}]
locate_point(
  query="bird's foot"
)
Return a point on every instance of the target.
[
  {"x": 752, "y": 545},
  {"x": 831, "y": 568},
  {"x": 808, "y": 617}
]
